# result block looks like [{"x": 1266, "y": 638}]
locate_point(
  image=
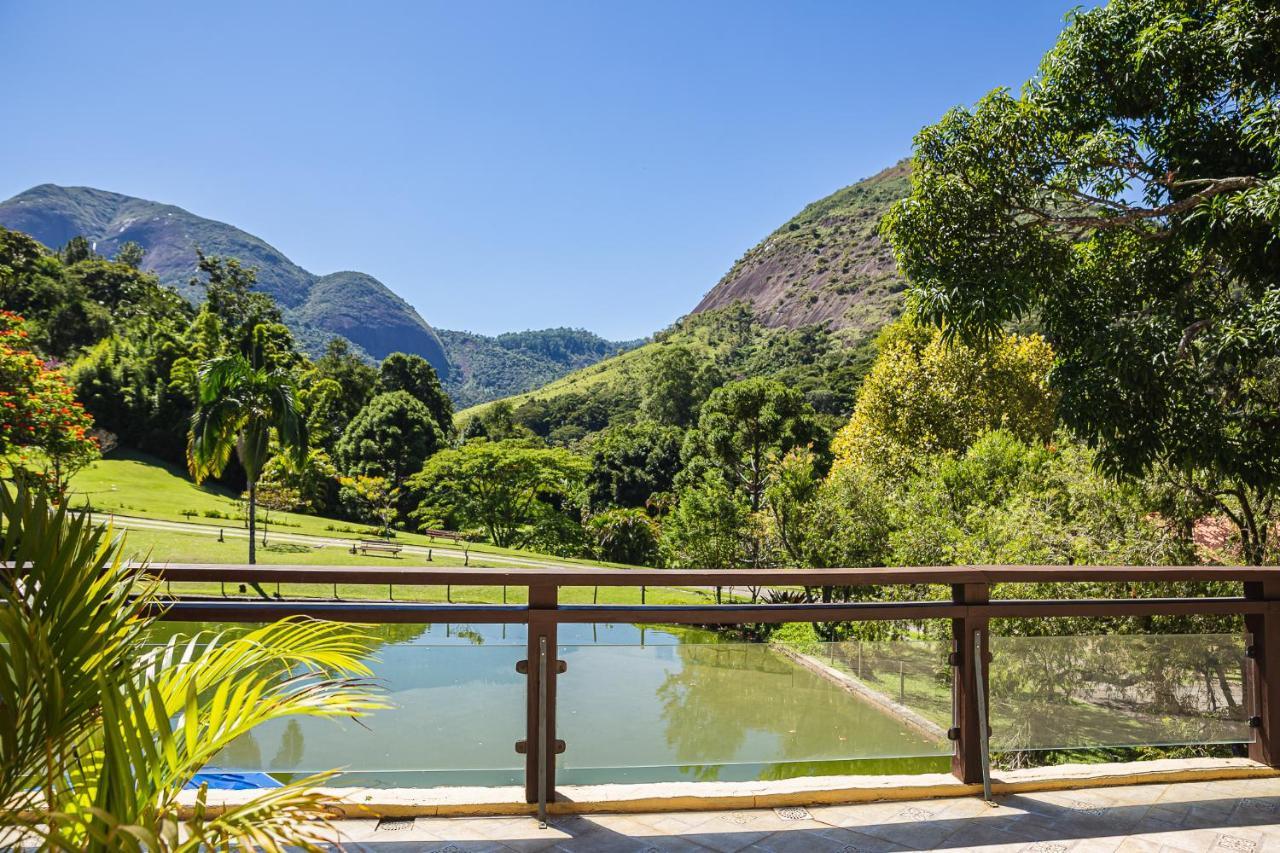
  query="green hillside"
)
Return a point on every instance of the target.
[{"x": 731, "y": 343}]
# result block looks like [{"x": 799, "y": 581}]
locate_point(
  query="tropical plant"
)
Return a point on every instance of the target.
[
  {"x": 414, "y": 375},
  {"x": 625, "y": 536},
  {"x": 241, "y": 402},
  {"x": 100, "y": 732}
]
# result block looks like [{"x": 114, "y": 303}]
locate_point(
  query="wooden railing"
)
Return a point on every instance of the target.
[{"x": 970, "y": 609}]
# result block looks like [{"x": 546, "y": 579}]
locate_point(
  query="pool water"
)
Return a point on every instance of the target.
[{"x": 635, "y": 705}]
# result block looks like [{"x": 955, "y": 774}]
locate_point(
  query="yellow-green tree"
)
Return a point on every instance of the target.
[{"x": 925, "y": 395}]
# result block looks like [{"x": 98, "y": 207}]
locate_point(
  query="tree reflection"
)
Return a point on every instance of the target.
[{"x": 739, "y": 703}]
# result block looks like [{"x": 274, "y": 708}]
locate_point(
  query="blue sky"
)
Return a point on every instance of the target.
[{"x": 502, "y": 166}]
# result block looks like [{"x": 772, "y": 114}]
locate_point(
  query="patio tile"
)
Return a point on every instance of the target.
[{"x": 1199, "y": 818}]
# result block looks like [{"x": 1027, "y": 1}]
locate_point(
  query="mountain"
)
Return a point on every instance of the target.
[
  {"x": 815, "y": 291},
  {"x": 483, "y": 368},
  {"x": 317, "y": 307},
  {"x": 826, "y": 265}
]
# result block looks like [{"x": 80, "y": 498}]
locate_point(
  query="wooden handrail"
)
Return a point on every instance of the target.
[{"x": 562, "y": 577}]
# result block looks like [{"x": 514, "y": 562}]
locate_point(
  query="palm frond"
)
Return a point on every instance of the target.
[{"x": 99, "y": 732}]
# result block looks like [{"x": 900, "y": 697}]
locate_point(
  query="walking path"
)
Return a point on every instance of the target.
[{"x": 1241, "y": 815}]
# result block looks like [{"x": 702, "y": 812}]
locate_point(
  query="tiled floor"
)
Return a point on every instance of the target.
[{"x": 1189, "y": 817}]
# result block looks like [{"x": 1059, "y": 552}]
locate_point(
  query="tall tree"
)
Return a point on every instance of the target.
[
  {"x": 231, "y": 298},
  {"x": 391, "y": 437},
  {"x": 414, "y": 375},
  {"x": 240, "y": 403},
  {"x": 1129, "y": 198},
  {"x": 676, "y": 382},
  {"x": 744, "y": 428}
]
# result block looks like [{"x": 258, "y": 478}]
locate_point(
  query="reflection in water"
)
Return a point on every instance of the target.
[
  {"x": 680, "y": 706},
  {"x": 292, "y": 745},
  {"x": 731, "y": 711}
]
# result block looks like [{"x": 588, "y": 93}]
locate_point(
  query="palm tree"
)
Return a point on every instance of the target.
[
  {"x": 239, "y": 403},
  {"x": 103, "y": 730}
]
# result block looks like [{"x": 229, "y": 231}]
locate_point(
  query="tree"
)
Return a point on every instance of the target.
[
  {"x": 708, "y": 528},
  {"x": 497, "y": 422},
  {"x": 103, "y": 730},
  {"x": 414, "y": 375},
  {"x": 78, "y": 249},
  {"x": 61, "y": 316},
  {"x": 391, "y": 437},
  {"x": 745, "y": 427},
  {"x": 130, "y": 254},
  {"x": 231, "y": 298},
  {"x": 241, "y": 403},
  {"x": 42, "y": 426},
  {"x": 354, "y": 376},
  {"x": 676, "y": 382},
  {"x": 1129, "y": 198},
  {"x": 377, "y": 496},
  {"x": 501, "y": 486},
  {"x": 312, "y": 480},
  {"x": 632, "y": 461},
  {"x": 625, "y": 536},
  {"x": 927, "y": 395}
]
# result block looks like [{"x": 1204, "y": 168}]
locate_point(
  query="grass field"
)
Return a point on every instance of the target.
[{"x": 135, "y": 484}]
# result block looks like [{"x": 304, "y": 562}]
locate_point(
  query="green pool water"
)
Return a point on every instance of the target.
[{"x": 635, "y": 705}]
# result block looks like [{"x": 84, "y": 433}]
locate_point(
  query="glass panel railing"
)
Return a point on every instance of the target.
[
  {"x": 1086, "y": 691},
  {"x": 458, "y": 708},
  {"x": 681, "y": 708}
]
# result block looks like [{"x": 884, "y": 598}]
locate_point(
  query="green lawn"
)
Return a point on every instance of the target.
[{"x": 135, "y": 484}]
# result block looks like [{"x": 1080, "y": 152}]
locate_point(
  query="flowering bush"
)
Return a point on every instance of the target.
[{"x": 42, "y": 427}]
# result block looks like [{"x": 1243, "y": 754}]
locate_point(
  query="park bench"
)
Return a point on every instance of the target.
[
  {"x": 378, "y": 546},
  {"x": 445, "y": 534}
]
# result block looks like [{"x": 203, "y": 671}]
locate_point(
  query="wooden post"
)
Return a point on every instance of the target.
[
  {"x": 1264, "y": 649},
  {"x": 540, "y": 751},
  {"x": 966, "y": 762}
]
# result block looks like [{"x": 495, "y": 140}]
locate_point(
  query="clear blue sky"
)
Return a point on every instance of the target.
[{"x": 500, "y": 165}]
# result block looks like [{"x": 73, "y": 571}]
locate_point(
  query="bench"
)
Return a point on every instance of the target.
[
  {"x": 445, "y": 534},
  {"x": 378, "y": 546}
]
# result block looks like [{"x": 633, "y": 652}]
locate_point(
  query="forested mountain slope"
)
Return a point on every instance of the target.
[
  {"x": 353, "y": 305},
  {"x": 483, "y": 368}
]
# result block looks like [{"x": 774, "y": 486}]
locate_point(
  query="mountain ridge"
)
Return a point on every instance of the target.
[
  {"x": 346, "y": 303},
  {"x": 825, "y": 265}
]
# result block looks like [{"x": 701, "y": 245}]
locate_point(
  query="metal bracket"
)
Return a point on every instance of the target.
[
  {"x": 522, "y": 667},
  {"x": 1255, "y": 722},
  {"x": 1251, "y": 652},
  {"x": 953, "y": 733},
  {"x": 522, "y": 746},
  {"x": 953, "y": 659}
]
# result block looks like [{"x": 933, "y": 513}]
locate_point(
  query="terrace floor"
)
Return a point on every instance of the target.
[{"x": 1239, "y": 815}]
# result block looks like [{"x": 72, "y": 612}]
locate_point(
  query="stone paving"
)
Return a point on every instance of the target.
[{"x": 1190, "y": 817}]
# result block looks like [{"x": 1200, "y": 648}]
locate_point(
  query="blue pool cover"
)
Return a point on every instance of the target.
[{"x": 232, "y": 781}]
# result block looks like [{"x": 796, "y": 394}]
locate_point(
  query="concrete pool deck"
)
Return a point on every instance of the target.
[
  {"x": 670, "y": 797},
  {"x": 1229, "y": 814}
]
